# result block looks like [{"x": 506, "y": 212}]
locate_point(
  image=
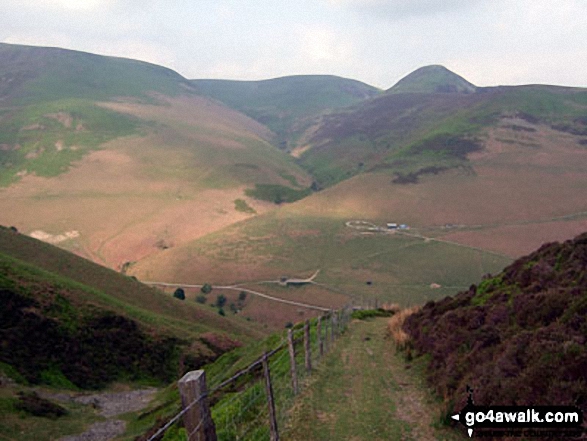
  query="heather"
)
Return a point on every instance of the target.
[{"x": 518, "y": 338}]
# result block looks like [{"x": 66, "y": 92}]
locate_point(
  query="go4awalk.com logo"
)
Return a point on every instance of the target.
[{"x": 521, "y": 421}]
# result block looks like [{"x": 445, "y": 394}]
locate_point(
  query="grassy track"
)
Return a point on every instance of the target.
[{"x": 362, "y": 391}]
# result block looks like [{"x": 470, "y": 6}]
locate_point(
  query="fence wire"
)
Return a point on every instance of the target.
[{"x": 243, "y": 414}]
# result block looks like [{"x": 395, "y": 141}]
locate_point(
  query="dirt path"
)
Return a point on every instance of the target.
[
  {"x": 109, "y": 405},
  {"x": 240, "y": 288},
  {"x": 363, "y": 391}
]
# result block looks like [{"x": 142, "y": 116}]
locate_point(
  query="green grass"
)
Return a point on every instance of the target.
[
  {"x": 283, "y": 104},
  {"x": 24, "y": 258},
  {"x": 432, "y": 79},
  {"x": 18, "y": 425},
  {"x": 358, "y": 393},
  {"x": 53, "y": 73},
  {"x": 401, "y": 268},
  {"x": 37, "y": 150}
]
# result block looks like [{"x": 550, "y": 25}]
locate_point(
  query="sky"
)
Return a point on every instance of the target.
[{"x": 489, "y": 42}]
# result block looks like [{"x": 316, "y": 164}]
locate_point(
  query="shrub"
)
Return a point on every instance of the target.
[
  {"x": 220, "y": 301},
  {"x": 206, "y": 289},
  {"x": 395, "y": 327},
  {"x": 201, "y": 299},
  {"x": 242, "y": 296},
  {"x": 242, "y": 206},
  {"x": 221, "y": 312},
  {"x": 363, "y": 314},
  {"x": 179, "y": 294}
]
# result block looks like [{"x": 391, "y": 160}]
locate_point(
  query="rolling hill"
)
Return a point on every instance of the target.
[
  {"x": 181, "y": 181},
  {"x": 287, "y": 105},
  {"x": 419, "y": 132},
  {"x": 116, "y": 159},
  {"x": 480, "y": 178},
  {"x": 52, "y": 298}
]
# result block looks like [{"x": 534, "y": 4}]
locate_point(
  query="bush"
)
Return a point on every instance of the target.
[
  {"x": 242, "y": 296},
  {"x": 220, "y": 301},
  {"x": 179, "y": 294},
  {"x": 201, "y": 299},
  {"x": 221, "y": 312},
  {"x": 363, "y": 314},
  {"x": 206, "y": 289}
]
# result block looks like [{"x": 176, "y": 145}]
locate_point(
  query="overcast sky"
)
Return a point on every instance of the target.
[{"x": 489, "y": 42}]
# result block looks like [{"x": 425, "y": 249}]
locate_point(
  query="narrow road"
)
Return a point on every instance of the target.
[{"x": 239, "y": 288}]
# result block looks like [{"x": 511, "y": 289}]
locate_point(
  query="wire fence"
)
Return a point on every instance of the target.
[{"x": 253, "y": 403}]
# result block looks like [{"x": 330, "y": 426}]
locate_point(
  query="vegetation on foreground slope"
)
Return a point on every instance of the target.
[
  {"x": 516, "y": 338},
  {"x": 67, "y": 322}
]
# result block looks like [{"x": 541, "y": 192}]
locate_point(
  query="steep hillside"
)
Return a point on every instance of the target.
[
  {"x": 432, "y": 79},
  {"x": 116, "y": 159},
  {"x": 416, "y": 130},
  {"x": 286, "y": 105},
  {"x": 515, "y": 338},
  {"x": 68, "y": 321}
]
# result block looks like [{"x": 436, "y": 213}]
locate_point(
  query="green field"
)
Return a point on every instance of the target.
[{"x": 400, "y": 268}]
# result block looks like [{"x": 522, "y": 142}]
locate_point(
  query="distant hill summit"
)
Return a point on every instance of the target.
[
  {"x": 30, "y": 74},
  {"x": 433, "y": 79}
]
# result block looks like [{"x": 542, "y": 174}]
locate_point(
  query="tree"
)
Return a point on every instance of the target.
[
  {"x": 220, "y": 301},
  {"x": 221, "y": 311},
  {"x": 201, "y": 299},
  {"x": 179, "y": 294},
  {"x": 206, "y": 289},
  {"x": 242, "y": 296}
]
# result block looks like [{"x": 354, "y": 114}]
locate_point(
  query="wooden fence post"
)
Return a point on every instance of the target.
[
  {"x": 332, "y": 326},
  {"x": 292, "y": 361},
  {"x": 319, "y": 333},
  {"x": 270, "y": 400},
  {"x": 198, "y": 421},
  {"x": 307, "y": 345}
]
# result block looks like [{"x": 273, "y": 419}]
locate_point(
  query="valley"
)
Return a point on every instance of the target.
[{"x": 155, "y": 224}]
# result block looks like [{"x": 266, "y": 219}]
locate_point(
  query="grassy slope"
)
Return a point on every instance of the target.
[
  {"x": 69, "y": 328},
  {"x": 36, "y": 74},
  {"x": 131, "y": 171},
  {"x": 289, "y": 242},
  {"x": 47, "y": 95},
  {"x": 282, "y": 104},
  {"x": 94, "y": 284},
  {"x": 405, "y": 132}
]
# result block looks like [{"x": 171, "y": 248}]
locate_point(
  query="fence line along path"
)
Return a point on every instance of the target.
[{"x": 253, "y": 402}]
